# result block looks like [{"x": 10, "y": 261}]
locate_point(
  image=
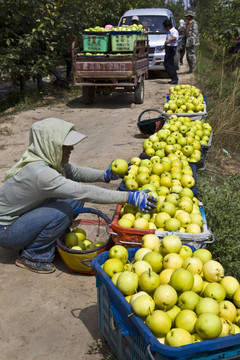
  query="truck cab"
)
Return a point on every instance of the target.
[{"x": 152, "y": 20}]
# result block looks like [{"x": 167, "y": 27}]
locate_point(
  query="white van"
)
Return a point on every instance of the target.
[{"x": 152, "y": 20}]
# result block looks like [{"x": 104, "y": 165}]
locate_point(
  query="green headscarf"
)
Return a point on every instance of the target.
[{"x": 46, "y": 139}]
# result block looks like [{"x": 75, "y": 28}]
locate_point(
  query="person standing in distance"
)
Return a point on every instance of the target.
[
  {"x": 170, "y": 46},
  {"x": 135, "y": 20},
  {"x": 182, "y": 35},
  {"x": 192, "y": 40}
]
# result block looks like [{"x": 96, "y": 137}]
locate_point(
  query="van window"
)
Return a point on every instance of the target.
[{"x": 153, "y": 24}]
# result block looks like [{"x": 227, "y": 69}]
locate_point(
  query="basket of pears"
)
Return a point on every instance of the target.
[{"x": 86, "y": 238}]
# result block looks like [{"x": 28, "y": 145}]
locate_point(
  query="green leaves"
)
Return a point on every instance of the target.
[
  {"x": 33, "y": 29},
  {"x": 222, "y": 208},
  {"x": 219, "y": 19}
]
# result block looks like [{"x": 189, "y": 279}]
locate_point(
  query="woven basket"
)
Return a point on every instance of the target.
[{"x": 151, "y": 125}]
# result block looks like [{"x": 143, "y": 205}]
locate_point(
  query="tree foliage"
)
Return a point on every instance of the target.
[
  {"x": 27, "y": 36},
  {"x": 219, "y": 20},
  {"x": 222, "y": 207},
  {"x": 35, "y": 34}
]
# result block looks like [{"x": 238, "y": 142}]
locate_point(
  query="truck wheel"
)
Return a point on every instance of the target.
[
  {"x": 139, "y": 92},
  {"x": 88, "y": 94}
]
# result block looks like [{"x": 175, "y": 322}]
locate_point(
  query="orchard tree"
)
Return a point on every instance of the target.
[
  {"x": 35, "y": 34},
  {"x": 219, "y": 20},
  {"x": 192, "y": 4},
  {"x": 28, "y": 38},
  {"x": 177, "y": 8}
]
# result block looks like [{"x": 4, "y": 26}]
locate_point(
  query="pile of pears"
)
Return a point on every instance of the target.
[{"x": 76, "y": 240}]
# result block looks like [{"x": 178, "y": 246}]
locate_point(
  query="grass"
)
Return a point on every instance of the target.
[
  {"x": 219, "y": 185},
  {"x": 221, "y": 86},
  {"x": 222, "y": 208}
]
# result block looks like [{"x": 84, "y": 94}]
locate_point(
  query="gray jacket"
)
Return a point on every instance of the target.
[{"x": 37, "y": 182}]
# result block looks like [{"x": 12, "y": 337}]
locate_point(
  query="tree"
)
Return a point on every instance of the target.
[
  {"x": 35, "y": 34},
  {"x": 27, "y": 37},
  {"x": 219, "y": 20},
  {"x": 177, "y": 8},
  {"x": 193, "y": 3}
]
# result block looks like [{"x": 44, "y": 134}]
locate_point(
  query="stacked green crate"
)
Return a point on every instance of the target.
[
  {"x": 96, "y": 42},
  {"x": 123, "y": 41}
]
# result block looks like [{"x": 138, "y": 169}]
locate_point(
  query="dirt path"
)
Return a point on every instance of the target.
[{"x": 55, "y": 316}]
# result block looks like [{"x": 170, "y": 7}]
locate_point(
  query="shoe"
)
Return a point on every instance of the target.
[
  {"x": 35, "y": 266},
  {"x": 173, "y": 82}
]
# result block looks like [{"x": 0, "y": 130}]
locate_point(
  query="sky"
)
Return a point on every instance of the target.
[{"x": 186, "y": 3}]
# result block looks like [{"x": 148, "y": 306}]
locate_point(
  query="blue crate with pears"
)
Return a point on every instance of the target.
[{"x": 130, "y": 339}]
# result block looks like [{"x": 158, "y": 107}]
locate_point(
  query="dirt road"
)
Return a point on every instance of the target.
[{"x": 54, "y": 316}]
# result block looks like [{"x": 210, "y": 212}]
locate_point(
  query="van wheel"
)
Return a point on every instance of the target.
[
  {"x": 88, "y": 94},
  {"x": 139, "y": 92}
]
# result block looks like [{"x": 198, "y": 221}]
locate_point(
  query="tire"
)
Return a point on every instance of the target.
[
  {"x": 88, "y": 94},
  {"x": 139, "y": 92}
]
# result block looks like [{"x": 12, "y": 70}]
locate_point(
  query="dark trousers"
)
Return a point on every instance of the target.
[
  {"x": 169, "y": 62},
  {"x": 182, "y": 53},
  {"x": 68, "y": 59}
]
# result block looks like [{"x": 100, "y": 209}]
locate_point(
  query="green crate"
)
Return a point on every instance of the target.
[
  {"x": 123, "y": 41},
  {"x": 96, "y": 42}
]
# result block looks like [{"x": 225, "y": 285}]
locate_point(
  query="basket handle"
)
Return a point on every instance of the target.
[
  {"x": 83, "y": 210},
  {"x": 118, "y": 239},
  {"x": 203, "y": 168},
  {"x": 139, "y": 117},
  {"x": 149, "y": 352},
  {"x": 84, "y": 262},
  {"x": 208, "y": 241},
  {"x": 111, "y": 232}
]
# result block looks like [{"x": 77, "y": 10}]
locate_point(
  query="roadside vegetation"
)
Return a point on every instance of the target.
[{"x": 218, "y": 75}]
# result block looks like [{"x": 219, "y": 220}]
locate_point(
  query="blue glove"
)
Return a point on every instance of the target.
[
  {"x": 142, "y": 200},
  {"x": 109, "y": 175}
]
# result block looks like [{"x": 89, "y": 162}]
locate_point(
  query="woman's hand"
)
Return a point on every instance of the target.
[{"x": 142, "y": 200}]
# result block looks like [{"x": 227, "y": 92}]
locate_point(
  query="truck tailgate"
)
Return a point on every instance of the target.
[{"x": 103, "y": 68}]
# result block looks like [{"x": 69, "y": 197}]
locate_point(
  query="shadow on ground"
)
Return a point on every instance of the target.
[{"x": 89, "y": 317}]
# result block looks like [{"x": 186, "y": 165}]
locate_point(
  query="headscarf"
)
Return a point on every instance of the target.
[
  {"x": 109, "y": 26},
  {"x": 181, "y": 23},
  {"x": 46, "y": 138}
]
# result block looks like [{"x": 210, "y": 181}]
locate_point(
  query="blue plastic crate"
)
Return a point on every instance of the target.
[
  {"x": 193, "y": 116},
  {"x": 194, "y": 188},
  {"x": 206, "y": 148},
  {"x": 204, "y": 98},
  {"x": 199, "y": 164},
  {"x": 130, "y": 339}
]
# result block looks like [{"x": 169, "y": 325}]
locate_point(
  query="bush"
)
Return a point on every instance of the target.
[
  {"x": 221, "y": 87},
  {"x": 222, "y": 208}
]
